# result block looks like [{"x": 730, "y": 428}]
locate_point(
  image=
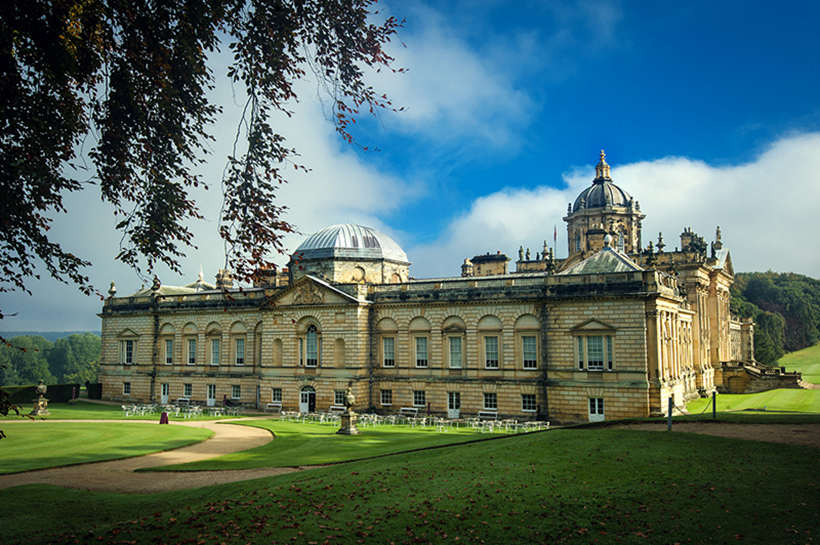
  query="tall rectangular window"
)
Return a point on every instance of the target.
[
  {"x": 276, "y": 395},
  {"x": 596, "y": 406},
  {"x": 419, "y": 398},
  {"x": 169, "y": 351},
  {"x": 312, "y": 347},
  {"x": 127, "y": 352},
  {"x": 214, "y": 351},
  {"x": 455, "y": 352},
  {"x": 339, "y": 397},
  {"x": 595, "y": 353},
  {"x": 580, "y": 352},
  {"x": 529, "y": 352},
  {"x": 421, "y": 351},
  {"x": 191, "y": 351},
  {"x": 387, "y": 397},
  {"x": 491, "y": 352},
  {"x": 212, "y": 391},
  {"x": 609, "y": 352},
  {"x": 240, "y": 351},
  {"x": 528, "y": 403},
  {"x": 187, "y": 390},
  {"x": 236, "y": 391},
  {"x": 490, "y": 401},
  {"x": 389, "y": 351},
  {"x": 126, "y": 388}
]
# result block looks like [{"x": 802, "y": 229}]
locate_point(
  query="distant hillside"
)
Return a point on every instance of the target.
[
  {"x": 786, "y": 308},
  {"x": 48, "y": 335}
]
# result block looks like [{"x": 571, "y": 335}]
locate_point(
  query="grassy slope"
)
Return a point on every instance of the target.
[
  {"x": 35, "y": 445},
  {"x": 807, "y": 361},
  {"x": 784, "y": 399},
  {"x": 308, "y": 444},
  {"x": 564, "y": 486}
]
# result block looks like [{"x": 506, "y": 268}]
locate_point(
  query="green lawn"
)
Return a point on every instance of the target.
[
  {"x": 807, "y": 361},
  {"x": 309, "y": 444},
  {"x": 35, "y": 445},
  {"x": 84, "y": 410},
  {"x": 784, "y": 399},
  {"x": 563, "y": 486}
]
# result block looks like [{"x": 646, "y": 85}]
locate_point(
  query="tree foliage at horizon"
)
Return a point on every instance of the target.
[
  {"x": 135, "y": 75},
  {"x": 31, "y": 358},
  {"x": 785, "y": 307}
]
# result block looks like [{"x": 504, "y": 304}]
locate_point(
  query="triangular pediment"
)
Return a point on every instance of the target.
[
  {"x": 309, "y": 290},
  {"x": 592, "y": 326}
]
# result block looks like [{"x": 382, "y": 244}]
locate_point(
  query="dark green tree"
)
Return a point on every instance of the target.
[{"x": 135, "y": 75}]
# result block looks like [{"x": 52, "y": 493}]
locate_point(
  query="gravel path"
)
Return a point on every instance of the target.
[
  {"x": 794, "y": 434},
  {"x": 119, "y": 475}
]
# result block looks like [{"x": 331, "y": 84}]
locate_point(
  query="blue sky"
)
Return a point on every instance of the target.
[{"x": 708, "y": 112}]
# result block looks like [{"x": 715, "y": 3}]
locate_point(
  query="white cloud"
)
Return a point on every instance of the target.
[{"x": 766, "y": 209}]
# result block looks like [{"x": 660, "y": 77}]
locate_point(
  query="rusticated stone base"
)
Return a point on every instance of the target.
[{"x": 348, "y": 424}]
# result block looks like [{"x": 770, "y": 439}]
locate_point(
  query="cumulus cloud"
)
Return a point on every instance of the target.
[{"x": 766, "y": 209}]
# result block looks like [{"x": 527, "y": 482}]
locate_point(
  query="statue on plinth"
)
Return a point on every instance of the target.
[
  {"x": 40, "y": 402},
  {"x": 348, "y": 417}
]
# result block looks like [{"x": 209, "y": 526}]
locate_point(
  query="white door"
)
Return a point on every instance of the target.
[
  {"x": 211, "y": 395},
  {"x": 307, "y": 400},
  {"x": 596, "y": 409},
  {"x": 163, "y": 398},
  {"x": 453, "y": 404}
]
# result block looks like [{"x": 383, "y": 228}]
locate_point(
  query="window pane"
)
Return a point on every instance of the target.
[
  {"x": 528, "y": 402},
  {"x": 529, "y": 351},
  {"x": 169, "y": 351},
  {"x": 214, "y": 351},
  {"x": 389, "y": 350},
  {"x": 126, "y": 388},
  {"x": 491, "y": 352},
  {"x": 595, "y": 352},
  {"x": 455, "y": 352},
  {"x": 387, "y": 397},
  {"x": 490, "y": 400},
  {"x": 276, "y": 394},
  {"x": 338, "y": 397},
  {"x": 188, "y": 389},
  {"x": 191, "y": 351},
  {"x": 236, "y": 391},
  {"x": 609, "y": 352},
  {"x": 580, "y": 352},
  {"x": 421, "y": 351},
  {"x": 419, "y": 399}
]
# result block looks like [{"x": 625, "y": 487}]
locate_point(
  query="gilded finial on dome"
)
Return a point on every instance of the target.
[{"x": 602, "y": 168}]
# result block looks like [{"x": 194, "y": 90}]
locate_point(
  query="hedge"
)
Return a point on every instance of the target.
[{"x": 56, "y": 393}]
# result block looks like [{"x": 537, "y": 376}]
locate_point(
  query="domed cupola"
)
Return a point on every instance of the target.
[
  {"x": 603, "y": 192},
  {"x": 603, "y": 209},
  {"x": 350, "y": 253}
]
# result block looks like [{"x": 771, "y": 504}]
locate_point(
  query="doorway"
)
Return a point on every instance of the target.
[
  {"x": 163, "y": 398},
  {"x": 211, "y": 400},
  {"x": 596, "y": 409},
  {"x": 453, "y": 404},
  {"x": 307, "y": 400}
]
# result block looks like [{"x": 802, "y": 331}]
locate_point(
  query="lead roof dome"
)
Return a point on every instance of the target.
[
  {"x": 351, "y": 241},
  {"x": 603, "y": 192}
]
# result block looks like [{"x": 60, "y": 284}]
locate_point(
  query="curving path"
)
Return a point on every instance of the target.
[{"x": 119, "y": 475}]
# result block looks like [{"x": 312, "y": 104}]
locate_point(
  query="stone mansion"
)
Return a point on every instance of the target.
[{"x": 611, "y": 331}]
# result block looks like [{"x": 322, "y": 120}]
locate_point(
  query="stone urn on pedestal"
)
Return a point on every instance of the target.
[
  {"x": 40, "y": 402},
  {"x": 348, "y": 417}
]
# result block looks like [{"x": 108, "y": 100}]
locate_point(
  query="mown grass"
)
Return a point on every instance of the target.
[
  {"x": 36, "y": 445},
  {"x": 782, "y": 399},
  {"x": 84, "y": 410},
  {"x": 563, "y": 486},
  {"x": 298, "y": 444},
  {"x": 806, "y": 361}
]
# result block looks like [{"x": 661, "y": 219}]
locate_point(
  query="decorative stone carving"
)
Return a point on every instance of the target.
[{"x": 308, "y": 294}]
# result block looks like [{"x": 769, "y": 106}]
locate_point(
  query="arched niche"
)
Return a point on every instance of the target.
[
  {"x": 190, "y": 329},
  {"x": 166, "y": 329},
  {"x": 527, "y": 322},
  {"x": 419, "y": 323},
  {"x": 238, "y": 327},
  {"x": 489, "y": 323},
  {"x": 387, "y": 325},
  {"x": 453, "y": 324},
  {"x": 213, "y": 329}
]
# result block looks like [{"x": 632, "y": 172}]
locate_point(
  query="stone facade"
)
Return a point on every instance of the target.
[{"x": 603, "y": 334}]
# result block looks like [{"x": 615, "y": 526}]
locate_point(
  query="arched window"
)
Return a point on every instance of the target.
[{"x": 311, "y": 347}]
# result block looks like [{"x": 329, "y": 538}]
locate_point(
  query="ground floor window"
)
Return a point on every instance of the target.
[
  {"x": 596, "y": 406},
  {"x": 126, "y": 388},
  {"x": 387, "y": 397},
  {"x": 419, "y": 398},
  {"x": 236, "y": 391},
  {"x": 187, "y": 390},
  {"x": 338, "y": 397},
  {"x": 528, "y": 403},
  {"x": 127, "y": 352},
  {"x": 490, "y": 401},
  {"x": 276, "y": 395},
  {"x": 212, "y": 391}
]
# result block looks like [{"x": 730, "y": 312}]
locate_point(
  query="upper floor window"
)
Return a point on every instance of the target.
[
  {"x": 312, "y": 347},
  {"x": 594, "y": 352},
  {"x": 455, "y": 352},
  {"x": 169, "y": 351},
  {"x": 491, "y": 352},
  {"x": 529, "y": 351},
  {"x": 127, "y": 351},
  {"x": 214, "y": 351},
  {"x": 240, "y": 351},
  {"x": 577, "y": 242},
  {"x": 421, "y": 351},
  {"x": 191, "y": 351},
  {"x": 621, "y": 242},
  {"x": 389, "y": 351}
]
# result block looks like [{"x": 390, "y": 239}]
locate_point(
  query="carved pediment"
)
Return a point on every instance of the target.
[
  {"x": 592, "y": 326},
  {"x": 308, "y": 291}
]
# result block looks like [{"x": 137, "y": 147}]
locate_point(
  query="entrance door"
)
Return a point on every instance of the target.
[
  {"x": 163, "y": 398},
  {"x": 596, "y": 409},
  {"x": 211, "y": 395},
  {"x": 307, "y": 400},
  {"x": 453, "y": 404}
]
